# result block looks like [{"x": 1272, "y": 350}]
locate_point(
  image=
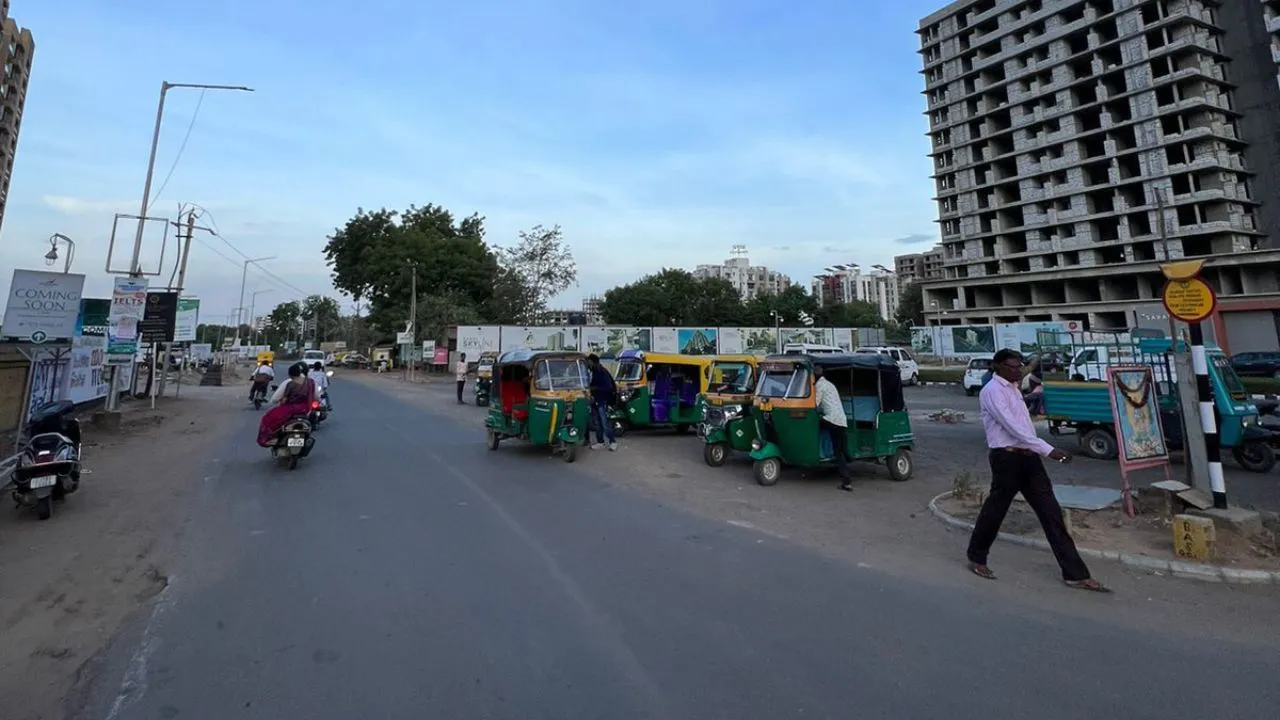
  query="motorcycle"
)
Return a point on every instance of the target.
[
  {"x": 319, "y": 410},
  {"x": 293, "y": 441},
  {"x": 49, "y": 467},
  {"x": 259, "y": 394}
]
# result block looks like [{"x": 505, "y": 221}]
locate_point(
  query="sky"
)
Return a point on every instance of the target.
[{"x": 656, "y": 135}]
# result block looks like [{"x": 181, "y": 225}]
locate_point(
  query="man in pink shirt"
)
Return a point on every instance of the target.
[{"x": 1016, "y": 467}]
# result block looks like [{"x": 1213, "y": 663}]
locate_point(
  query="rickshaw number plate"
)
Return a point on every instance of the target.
[
  {"x": 44, "y": 481},
  {"x": 296, "y": 442}
]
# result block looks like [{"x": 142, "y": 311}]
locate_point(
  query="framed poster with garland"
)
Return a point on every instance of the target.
[{"x": 1139, "y": 433}]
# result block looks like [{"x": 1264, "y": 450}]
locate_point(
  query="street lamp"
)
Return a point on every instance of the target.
[
  {"x": 51, "y": 257},
  {"x": 244, "y": 273},
  {"x": 134, "y": 268},
  {"x": 253, "y": 303}
]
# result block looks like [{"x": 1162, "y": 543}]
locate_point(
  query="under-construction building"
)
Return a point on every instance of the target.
[
  {"x": 16, "y": 49},
  {"x": 1077, "y": 144}
]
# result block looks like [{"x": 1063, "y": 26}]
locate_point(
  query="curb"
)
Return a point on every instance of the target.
[{"x": 1175, "y": 568}]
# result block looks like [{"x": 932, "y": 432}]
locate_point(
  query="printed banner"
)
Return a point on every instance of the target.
[
  {"x": 184, "y": 329},
  {"x": 128, "y": 303},
  {"x": 43, "y": 306}
]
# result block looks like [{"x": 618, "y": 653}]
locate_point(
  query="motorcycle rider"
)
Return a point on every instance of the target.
[
  {"x": 321, "y": 379},
  {"x": 262, "y": 377}
]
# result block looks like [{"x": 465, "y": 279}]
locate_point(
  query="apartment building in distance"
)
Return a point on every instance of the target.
[
  {"x": 17, "y": 48},
  {"x": 919, "y": 266},
  {"x": 1078, "y": 144},
  {"x": 749, "y": 280},
  {"x": 848, "y": 283}
]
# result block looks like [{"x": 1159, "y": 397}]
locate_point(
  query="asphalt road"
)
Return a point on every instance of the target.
[{"x": 405, "y": 571}]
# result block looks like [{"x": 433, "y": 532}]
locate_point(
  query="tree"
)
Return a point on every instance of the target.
[
  {"x": 911, "y": 305},
  {"x": 283, "y": 323},
  {"x": 788, "y": 304},
  {"x": 374, "y": 256},
  {"x": 851, "y": 314},
  {"x": 673, "y": 297},
  {"x": 533, "y": 271},
  {"x": 322, "y": 315}
]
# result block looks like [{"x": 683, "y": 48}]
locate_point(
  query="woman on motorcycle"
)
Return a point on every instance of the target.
[{"x": 294, "y": 398}]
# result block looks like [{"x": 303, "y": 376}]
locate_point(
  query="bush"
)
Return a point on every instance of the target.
[
  {"x": 941, "y": 375},
  {"x": 1255, "y": 385}
]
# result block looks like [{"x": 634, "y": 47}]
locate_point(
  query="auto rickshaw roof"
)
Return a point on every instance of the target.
[
  {"x": 868, "y": 361},
  {"x": 529, "y": 357},
  {"x": 736, "y": 358},
  {"x": 677, "y": 359}
]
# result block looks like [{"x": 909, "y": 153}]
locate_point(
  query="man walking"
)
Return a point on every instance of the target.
[
  {"x": 460, "y": 373},
  {"x": 835, "y": 423},
  {"x": 603, "y": 388},
  {"x": 1015, "y": 453}
]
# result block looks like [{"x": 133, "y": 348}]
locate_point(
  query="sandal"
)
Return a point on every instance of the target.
[
  {"x": 1089, "y": 584},
  {"x": 982, "y": 571}
]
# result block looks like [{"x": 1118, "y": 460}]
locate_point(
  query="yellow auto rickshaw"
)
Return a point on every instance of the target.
[
  {"x": 484, "y": 377},
  {"x": 726, "y": 422},
  {"x": 659, "y": 390},
  {"x": 266, "y": 356},
  {"x": 543, "y": 400}
]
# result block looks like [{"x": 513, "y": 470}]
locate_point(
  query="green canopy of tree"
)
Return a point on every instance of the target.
[
  {"x": 787, "y": 305},
  {"x": 532, "y": 272},
  {"x": 852, "y": 314},
  {"x": 911, "y": 305},
  {"x": 673, "y": 297}
]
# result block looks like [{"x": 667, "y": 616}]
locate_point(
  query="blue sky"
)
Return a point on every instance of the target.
[{"x": 656, "y": 134}]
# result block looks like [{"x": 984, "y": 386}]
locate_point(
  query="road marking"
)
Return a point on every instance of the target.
[
  {"x": 751, "y": 526},
  {"x": 134, "y": 684}
]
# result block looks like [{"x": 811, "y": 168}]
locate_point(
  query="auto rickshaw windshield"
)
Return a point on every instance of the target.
[
  {"x": 784, "y": 382},
  {"x": 731, "y": 377},
  {"x": 629, "y": 371},
  {"x": 562, "y": 374},
  {"x": 1230, "y": 380}
]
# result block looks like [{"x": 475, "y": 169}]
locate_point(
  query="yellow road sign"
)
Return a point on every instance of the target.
[{"x": 1190, "y": 300}]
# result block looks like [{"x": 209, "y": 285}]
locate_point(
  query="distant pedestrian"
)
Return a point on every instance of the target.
[
  {"x": 1015, "y": 453},
  {"x": 603, "y": 388},
  {"x": 460, "y": 373}
]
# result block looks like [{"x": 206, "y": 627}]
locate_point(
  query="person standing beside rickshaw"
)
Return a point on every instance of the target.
[
  {"x": 603, "y": 389},
  {"x": 460, "y": 373},
  {"x": 835, "y": 424}
]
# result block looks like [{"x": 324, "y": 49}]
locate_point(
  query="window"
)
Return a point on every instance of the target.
[
  {"x": 628, "y": 371},
  {"x": 907, "y": 356},
  {"x": 782, "y": 382},
  {"x": 980, "y": 364},
  {"x": 1230, "y": 380},
  {"x": 1086, "y": 356},
  {"x": 562, "y": 375}
]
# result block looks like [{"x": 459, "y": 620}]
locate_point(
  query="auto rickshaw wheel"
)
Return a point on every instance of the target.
[
  {"x": 1099, "y": 444},
  {"x": 1255, "y": 457},
  {"x": 682, "y": 428},
  {"x": 619, "y": 429},
  {"x": 767, "y": 471},
  {"x": 901, "y": 466},
  {"x": 570, "y": 453},
  {"x": 715, "y": 453},
  {"x": 492, "y": 440}
]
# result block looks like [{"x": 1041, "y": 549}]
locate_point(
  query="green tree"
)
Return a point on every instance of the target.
[
  {"x": 673, "y": 297},
  {"x": 852, "y": 314},
  {"x": 911, "y": 305},
  {"x": 788, "y": 304},
  {"x": 322, "y": 315},
  {"x": 533, "y": 271},
  {"x": 373, "y": 257},
  {"x": 283, "y": 323}
]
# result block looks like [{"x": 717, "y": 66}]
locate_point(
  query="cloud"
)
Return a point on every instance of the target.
[
  {"x": 82, "y": 206},
  {"x": 914, "y": 239}
]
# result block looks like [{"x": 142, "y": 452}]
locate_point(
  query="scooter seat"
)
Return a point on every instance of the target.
[{"x": 49, "y": 441}]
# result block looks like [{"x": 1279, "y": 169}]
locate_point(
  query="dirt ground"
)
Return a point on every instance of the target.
[
  {"x": 1149, "y": 533},
  {"x": 68, "y": 583}
]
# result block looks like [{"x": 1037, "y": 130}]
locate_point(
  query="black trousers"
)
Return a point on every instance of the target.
[
  {"x": 840, "y": 443},
  {"x": 461, "y": 384},
  {"x": 1023, "y": 472}
]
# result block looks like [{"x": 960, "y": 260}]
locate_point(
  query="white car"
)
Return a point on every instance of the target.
[
  {"x": 973, "y": 374},
  {"x": 907, "y": 365},
  {"x": 311, "y": 357}
]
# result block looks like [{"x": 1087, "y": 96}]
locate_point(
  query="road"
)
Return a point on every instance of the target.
[{"x": 404, "y": 571}]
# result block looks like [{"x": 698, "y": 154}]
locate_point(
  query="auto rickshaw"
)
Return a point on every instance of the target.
[
  {"x": 787, "y": 419},
  {"x": 543, "y": 400},
  {"x": 726, "y": 408},
  {"x": 266, "y": 356},
  {"x": 484, "y": 377},
  {"x": 659, "y": 390}
]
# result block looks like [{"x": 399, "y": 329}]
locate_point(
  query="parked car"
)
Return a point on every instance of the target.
[
  {"x": 355, "y": 360},
  {"x": 1257, "y": 364},
  {"x": 1050, "y": 362},
  {"x": 910, "y": 370},
  {"x": 977, "y": 368}
]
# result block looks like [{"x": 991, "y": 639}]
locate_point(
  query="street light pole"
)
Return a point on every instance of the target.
[
  {"x": 244, "y": 274},
  {"x": 253, "y": 304},
  {"x": 413, "y": 315},
  {"x": 51, "y": 257}
]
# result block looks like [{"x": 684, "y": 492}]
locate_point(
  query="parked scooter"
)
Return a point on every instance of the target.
[
  {"x": 293, "y": 441},
  {"x": 49, "y": 467}
]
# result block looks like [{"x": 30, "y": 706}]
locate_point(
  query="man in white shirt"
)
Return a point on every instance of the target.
[
  {"x": 460, "y": 374},
  {"x": 321, "y": 379},
  {"x": 262, "y": 377},
  {"x": 835, "y": 423}
]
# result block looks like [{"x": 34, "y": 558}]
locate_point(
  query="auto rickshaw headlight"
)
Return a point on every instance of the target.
[
  {"x": 757, "y": 444},
  {"x": 732, "y": 411},
  {"x": 1248, "y": 420}
]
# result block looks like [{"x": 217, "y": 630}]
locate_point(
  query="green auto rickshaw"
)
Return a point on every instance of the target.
[
  {"x": 484, "y": 377},
  {"x": 543, "y": 399},
  {"x": 659, "y": 390},
  {"x": 787, "y": 418},
  {"x": 726, "y": 408}
]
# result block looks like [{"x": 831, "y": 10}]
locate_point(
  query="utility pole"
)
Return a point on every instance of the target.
[
  {"x": 413, "y": 316},
  {"x": 184, "y": 241},
  {"x": 244, "y": 275}
]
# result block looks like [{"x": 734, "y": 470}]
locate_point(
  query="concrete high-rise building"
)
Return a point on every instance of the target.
[
  {"x": 1061, "y": 128},
  {"x": 919, "y": 266},
  {"x": 16, "y": 50},
  {"x": 749, "y": 280},
  {"x": 848, "y": 283}
]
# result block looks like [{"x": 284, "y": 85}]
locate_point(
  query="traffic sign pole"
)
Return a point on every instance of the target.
[{"x": 1190, "y": 299}]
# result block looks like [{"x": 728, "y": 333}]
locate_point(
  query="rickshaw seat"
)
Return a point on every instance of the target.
[
  {"x": 513, "y": 394},
  {"x": 688, "y": 393},
  {"x": 660, "y": 409},
  {"x": 863, "y": 409},
  {"x": 520, "y": 413}
]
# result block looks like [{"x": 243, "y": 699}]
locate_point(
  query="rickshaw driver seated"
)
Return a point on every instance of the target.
[{"x": 835, "y": 423}]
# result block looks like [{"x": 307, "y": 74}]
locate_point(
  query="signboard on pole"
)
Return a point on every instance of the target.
[
  {"x": 188, "y": 318},
  {"x": 128, "y": 302},
  {"x": 1186, "y": 295},
  {"x": 43, "y": 307},
  {"x": 159, "y": 317},
  {"x": 404, "y": 338}
]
